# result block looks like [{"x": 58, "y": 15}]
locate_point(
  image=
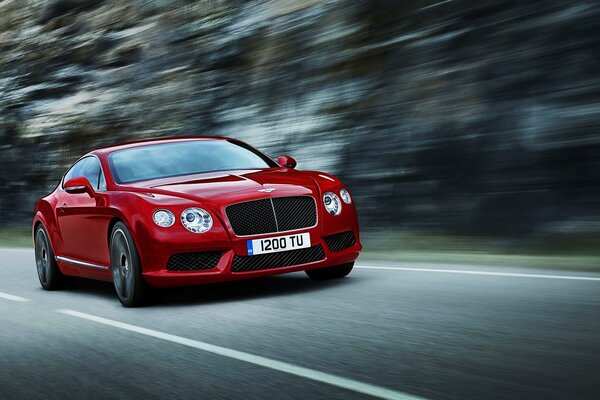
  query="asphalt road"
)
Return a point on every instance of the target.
[{"x": 394, "y": 331}]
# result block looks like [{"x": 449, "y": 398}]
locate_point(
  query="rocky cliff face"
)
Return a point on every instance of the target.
[{"x": 468, "y": 116}]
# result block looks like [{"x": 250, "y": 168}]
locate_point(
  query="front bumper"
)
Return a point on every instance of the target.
[
  {"x": 156, "y": 274},
  {"x": 158, "y": 245}
]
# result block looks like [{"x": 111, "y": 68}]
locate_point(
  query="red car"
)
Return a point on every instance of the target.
[{"x": 187, "y": 211}]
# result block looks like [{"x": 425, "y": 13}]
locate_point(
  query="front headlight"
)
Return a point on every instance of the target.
[
  {"x": 163, "y": 218},
  {"x": 196, "y": 220},
  {"x": 345, "y": 196},
  {"x": 333, "y": 205}
]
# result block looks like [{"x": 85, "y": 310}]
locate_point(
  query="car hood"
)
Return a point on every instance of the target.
[{"x": 229, "y": 187}]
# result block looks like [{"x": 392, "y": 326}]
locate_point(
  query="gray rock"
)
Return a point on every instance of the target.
[{"x": 452, "y": 116}]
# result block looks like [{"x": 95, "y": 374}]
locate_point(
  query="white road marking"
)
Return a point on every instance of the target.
[
  {"x": 323, "y": 377},
  {"x": 462, "y": 271},
  {"x": 12, "y": 297}
]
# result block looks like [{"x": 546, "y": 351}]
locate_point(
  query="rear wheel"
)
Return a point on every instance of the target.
[
  {"x": 126, "y": 268},
  {"x": 337, "y": 271},
  {"x": 48, "y": 273}
]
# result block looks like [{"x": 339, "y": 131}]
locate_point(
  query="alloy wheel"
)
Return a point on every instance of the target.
[
  {"x": 42, "y": 256},
  {"x": 122, "y": 271}
]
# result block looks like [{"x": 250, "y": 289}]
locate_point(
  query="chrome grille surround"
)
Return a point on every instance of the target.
[{"x": 272, "y": 215}]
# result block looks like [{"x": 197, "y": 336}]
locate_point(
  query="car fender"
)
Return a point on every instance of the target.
[{"x": 44, "y": 214}]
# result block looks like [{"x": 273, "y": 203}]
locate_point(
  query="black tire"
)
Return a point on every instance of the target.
[
  {"x": 48, "y": 273},
  {"x": 126, "y": 268},
  {"x": 335, "y": 272}
]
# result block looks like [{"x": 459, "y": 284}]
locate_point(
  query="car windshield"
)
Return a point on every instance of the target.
[{"x": 183, "y": 158}]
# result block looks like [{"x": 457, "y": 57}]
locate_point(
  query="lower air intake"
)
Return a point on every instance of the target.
[
  {"x": 200, "y": 261},
  {"x": 340, "y": 241},
  {"x": 277, "y": 260}
]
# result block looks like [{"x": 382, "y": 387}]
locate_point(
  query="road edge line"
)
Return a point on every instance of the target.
[{"x": 318, "y": 376}]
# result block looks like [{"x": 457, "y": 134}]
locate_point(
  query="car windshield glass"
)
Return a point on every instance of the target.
[{"x": 183, "y": 158}]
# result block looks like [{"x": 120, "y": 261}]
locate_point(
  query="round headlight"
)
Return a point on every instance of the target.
[
  {"x": 333, "y": 205},
  {"x": 164, "y": 218},
  {"x": 345, "y": 196},
  {"x": 196, "y": 220}
]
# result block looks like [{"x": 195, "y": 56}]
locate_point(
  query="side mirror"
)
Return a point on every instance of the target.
[
  {"x": 79, "y": 185},
  {"x": 286, "y": 162}
]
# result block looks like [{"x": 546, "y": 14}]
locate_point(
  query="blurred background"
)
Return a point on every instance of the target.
[{"x": 458, "y": 125}]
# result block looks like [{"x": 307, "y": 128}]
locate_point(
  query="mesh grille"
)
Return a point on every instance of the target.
[
  {"x": 277, "y": 260},
  {"x": 194, "y": 261},
  {"x": 256, "y": 217},
  {"x": 340, "y": 241},
  {"x": 252, "y": 218},
  {"x": 294, "y": 212}
]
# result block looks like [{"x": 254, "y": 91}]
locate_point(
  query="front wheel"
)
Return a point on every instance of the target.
[
  {"x": 337, "y": 271},
  {"x": 50, "y": 276},
  {"x": 126, "y": 268}
]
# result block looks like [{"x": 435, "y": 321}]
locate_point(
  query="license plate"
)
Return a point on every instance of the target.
[{"x": 279, "y": 243}]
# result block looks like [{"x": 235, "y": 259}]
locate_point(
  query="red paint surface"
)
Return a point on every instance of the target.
[{"x": 79, "y": 223}]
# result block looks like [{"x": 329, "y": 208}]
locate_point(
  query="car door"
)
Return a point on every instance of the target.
[{"x": 83, "y": 219}]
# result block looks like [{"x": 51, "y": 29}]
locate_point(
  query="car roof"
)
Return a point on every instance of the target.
[{"x": 147, "y": 142}]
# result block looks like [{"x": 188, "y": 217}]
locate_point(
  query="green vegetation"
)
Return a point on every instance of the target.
[
  {"x": 571, "y": 253},
  {"x": 571, "y": 262},
  {"x": 15, "y": 237},
  {"x": 542, "y": 245}
]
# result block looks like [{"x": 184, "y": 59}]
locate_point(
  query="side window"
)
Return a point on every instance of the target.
[
  {"x": 89, "y": 168},
  {"x": 75, "y": 170},
  {"x": 102, "y": 182},
  {"x": 91, "y": 171},
  {"x": 69, "y": 174}
]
